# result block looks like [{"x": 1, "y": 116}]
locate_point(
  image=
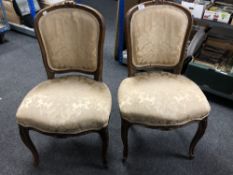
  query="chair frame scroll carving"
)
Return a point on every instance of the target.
[
  {"x": 103, "y": 132},
  {"x": 132, "y": 70}
]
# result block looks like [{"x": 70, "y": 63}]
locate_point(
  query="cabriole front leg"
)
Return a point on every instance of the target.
[
  {"x": 200, "y": 132},
  {"x": 25, "y": 137}
]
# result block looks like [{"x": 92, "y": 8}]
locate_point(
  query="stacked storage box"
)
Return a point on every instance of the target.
[
  {"x": 212, "y": 67},
  {"x": 10, "y": 12}
]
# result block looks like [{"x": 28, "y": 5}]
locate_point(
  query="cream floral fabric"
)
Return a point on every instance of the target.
[
  {"x": 67, "y": 105},
  {"x": 161, "y": 99},
  {"x": 71, "y": 37},
  {"x": 157, "y": 35}
]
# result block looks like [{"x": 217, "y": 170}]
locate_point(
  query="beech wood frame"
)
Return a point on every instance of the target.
[
  {"x": 177, "y": 69},
  {"x": 103, "y": 132}
]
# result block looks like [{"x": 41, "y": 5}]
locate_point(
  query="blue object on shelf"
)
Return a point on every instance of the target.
[
  {"x": 4, "y": 26},
  {"x": 121, "y": 30},
  {"x": 32, "y": 8}
]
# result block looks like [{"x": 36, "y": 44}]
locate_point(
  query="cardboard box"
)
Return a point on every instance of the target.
[
  {"x": 196, "y": 10},
  {"x": 217, "y": 16},
  {"x": 10, "y": 12},
  {"x": 219, "y": 12}
]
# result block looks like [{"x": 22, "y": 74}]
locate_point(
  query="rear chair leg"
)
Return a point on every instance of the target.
[
  {"x": 25, "y": 137},
  {"x": 125, "y": 125},
  {"x": 105, "y": 139},
  {"x": 200, "y": 132}
]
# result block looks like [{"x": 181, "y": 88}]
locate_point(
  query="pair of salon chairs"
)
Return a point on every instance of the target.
[{"x": 155, "y": 94}]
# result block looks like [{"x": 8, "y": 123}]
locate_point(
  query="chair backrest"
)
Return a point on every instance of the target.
[
  {"x": 157, "y": 34},
  {"x": 71, "y": 39}
]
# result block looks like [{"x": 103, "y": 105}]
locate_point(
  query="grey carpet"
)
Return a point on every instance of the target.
[{"x": 150, "y": 151}]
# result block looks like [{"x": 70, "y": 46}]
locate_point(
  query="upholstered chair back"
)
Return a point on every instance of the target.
[
  {"x": 71, "y": 38},
  {"x": 157, "y": 34}
]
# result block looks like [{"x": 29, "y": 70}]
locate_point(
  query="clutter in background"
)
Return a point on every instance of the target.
[{"x": 215, "y": 11}]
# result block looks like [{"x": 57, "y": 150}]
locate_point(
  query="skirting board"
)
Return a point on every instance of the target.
[{"x": 22, "y": 29}]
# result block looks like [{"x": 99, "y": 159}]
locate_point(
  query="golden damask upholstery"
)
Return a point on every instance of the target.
[
  {"x": 157, "y": 35},
  {"x": 65, "y": 32},
  {"x": 161, "y": 99},
  {"x": 67, "y": 105}
]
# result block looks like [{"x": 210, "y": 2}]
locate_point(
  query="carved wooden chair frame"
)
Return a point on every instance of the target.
[
  {"x": 24, "y": 131},
  {"x": 132, "y": 70}
]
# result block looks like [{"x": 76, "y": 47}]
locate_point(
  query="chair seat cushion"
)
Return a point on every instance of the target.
[
  {"x": 161, "y": 99},
  {"x": 68, "y": 105}
]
